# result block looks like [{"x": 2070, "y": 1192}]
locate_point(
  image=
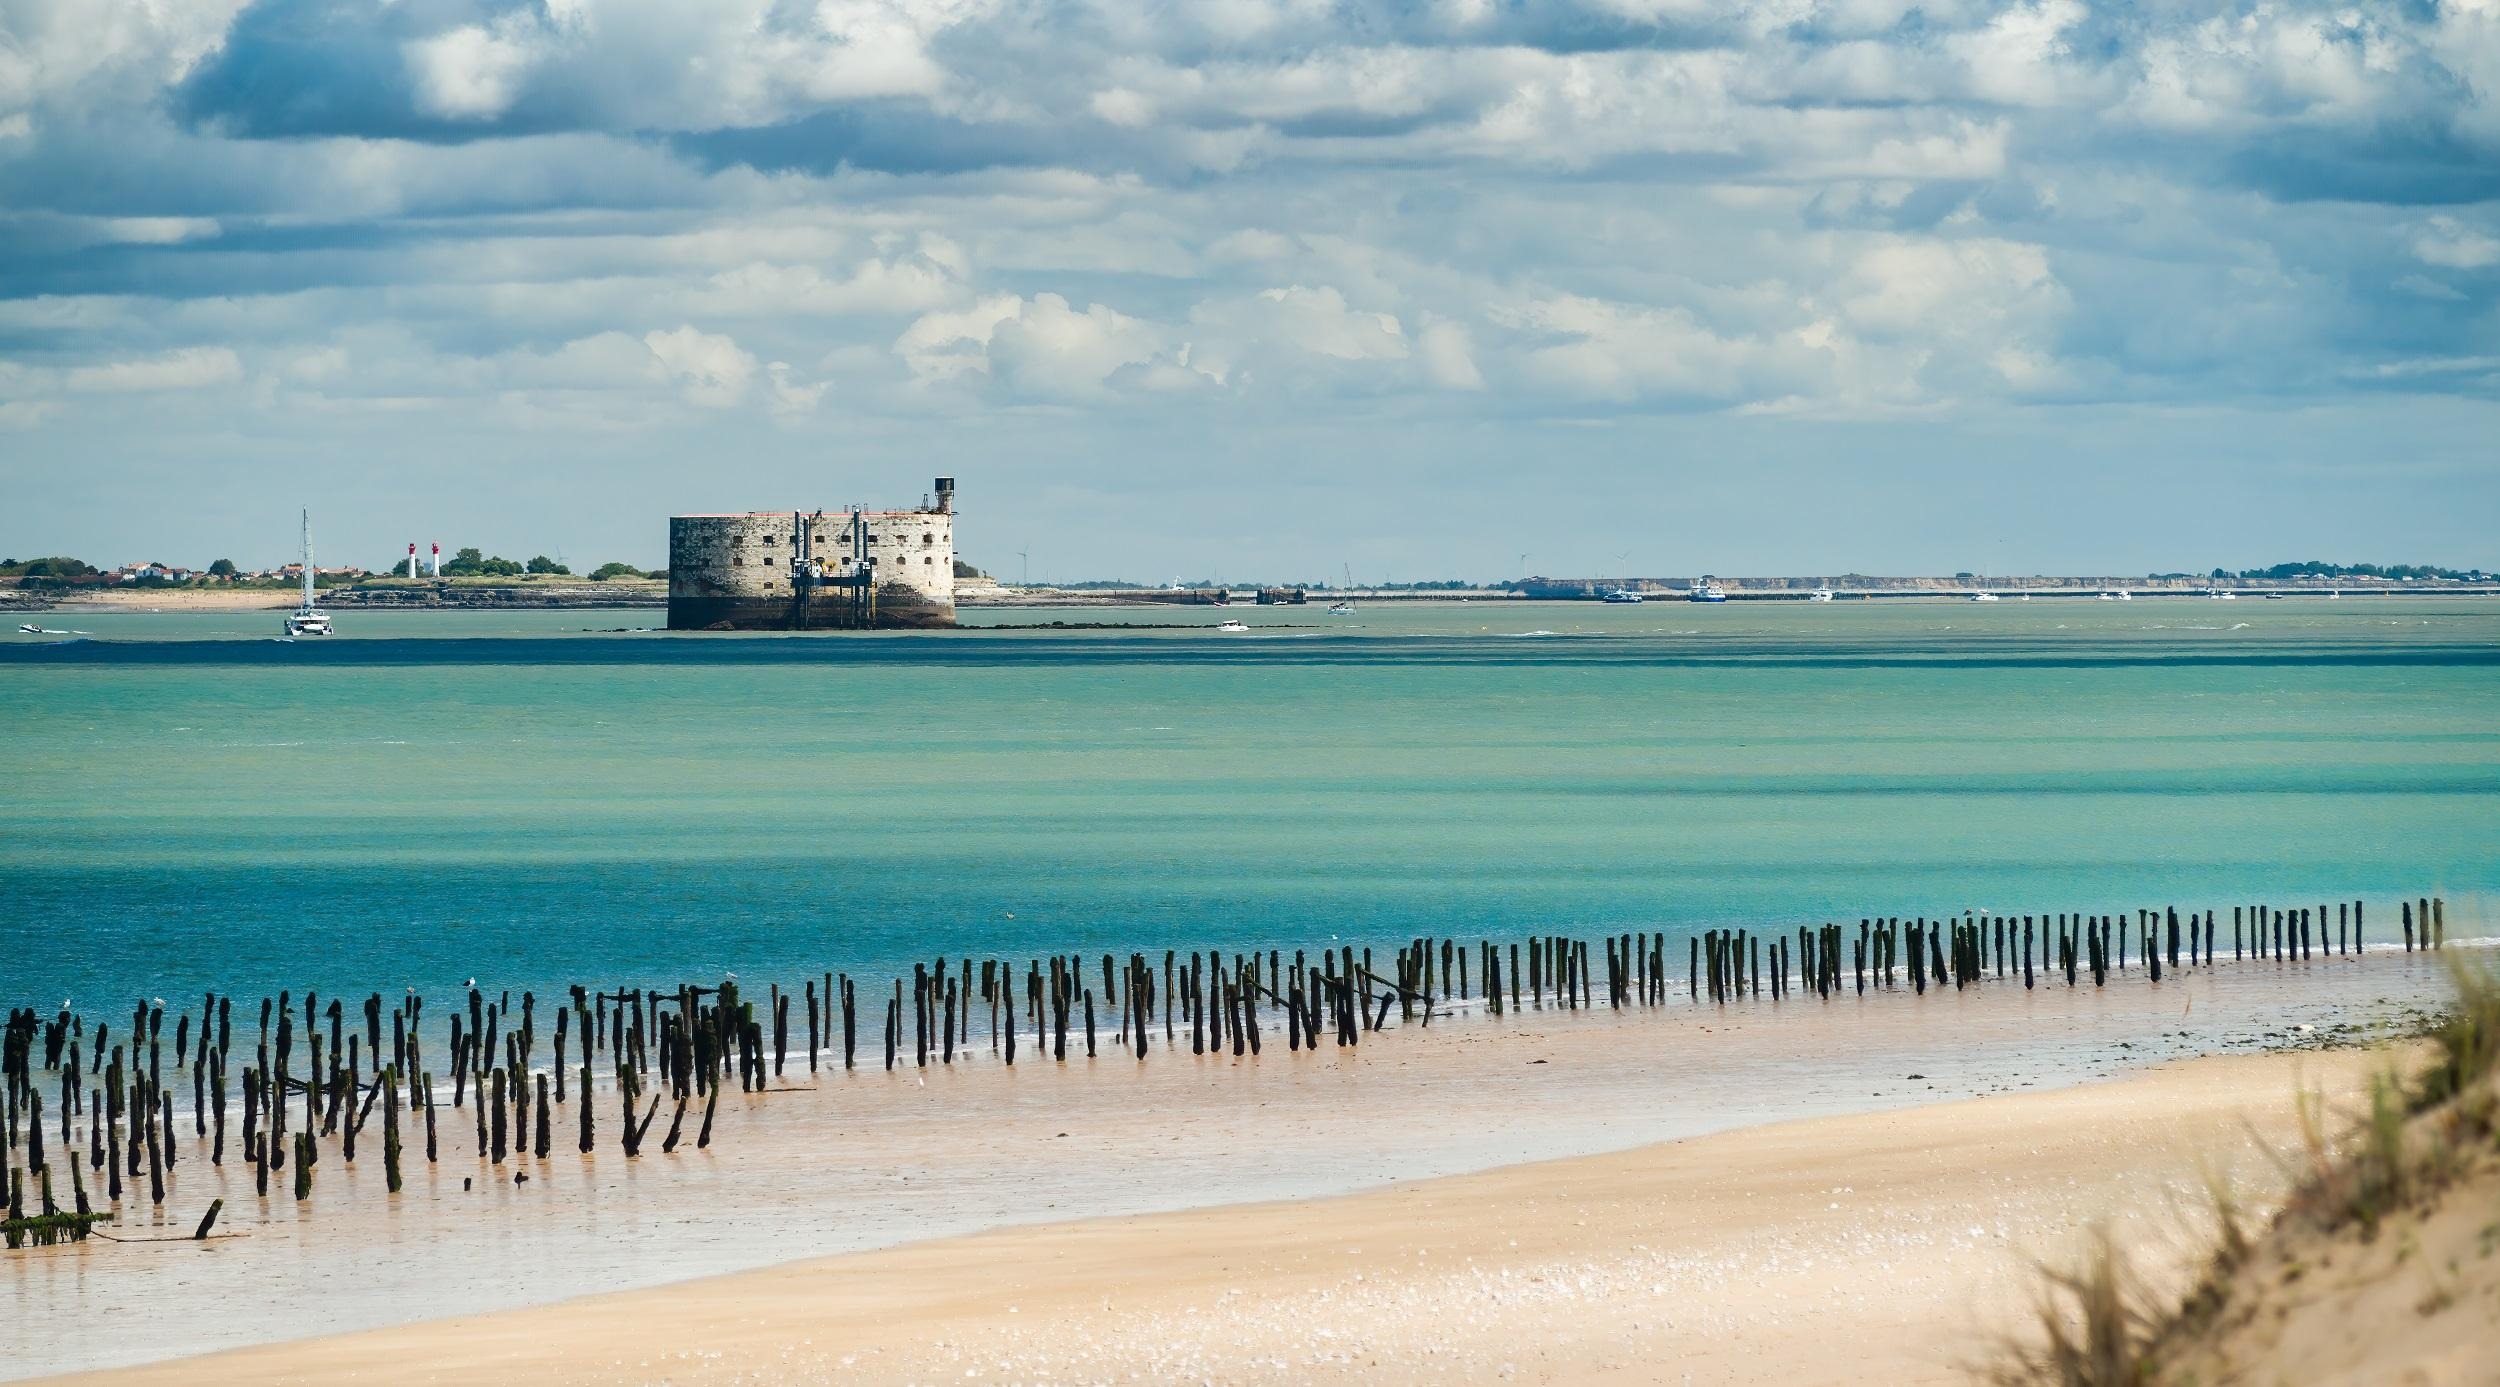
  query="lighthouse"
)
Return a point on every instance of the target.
[
  {"x": 412, "y": 558},
  {"x": 436, "y": 570}
]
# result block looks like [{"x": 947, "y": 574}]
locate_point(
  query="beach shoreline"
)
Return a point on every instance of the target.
[
  {"x": 1878, "y": 1246},
  {"x": 841, "y": 1161}
]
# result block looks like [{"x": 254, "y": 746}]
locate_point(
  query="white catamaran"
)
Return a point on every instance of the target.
[{"x": 308, "y": 620}]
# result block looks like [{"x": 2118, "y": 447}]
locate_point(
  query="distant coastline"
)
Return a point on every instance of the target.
[{"x": 539, "y": 592}]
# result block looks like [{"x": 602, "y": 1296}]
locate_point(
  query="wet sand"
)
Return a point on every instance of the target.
[
  {"x": 873, "y": 1160},
  {"x": 1887, "y": 1247}
]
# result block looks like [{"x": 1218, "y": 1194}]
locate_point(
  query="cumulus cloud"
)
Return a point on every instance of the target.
[
  {"x": 469, "y": 73},
  {"x": 1448, "y": 355},
  {"x": 710, "y": 367},
  {"x": 1050, "y": 350},
  {"x": 2449, "y": 242},
  {"x": 185, "y": 368},
  {"x": 907, "y": 206}
]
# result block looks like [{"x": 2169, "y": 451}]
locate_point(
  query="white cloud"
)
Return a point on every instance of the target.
[
  {"x": 711, "y": 368},
  {"x": 470, "y": 73},
  {"x": 2451, "y": 244},
  {"x": 949, "y": 343},
  {"x": 1313, "y": 320},
  {"x": 185, "y": 368},
  {"x": 1448, "y": 356},
  {"x": 1050, "y": 350}
]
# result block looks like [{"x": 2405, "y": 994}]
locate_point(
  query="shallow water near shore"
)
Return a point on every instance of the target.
[
  {"x": 533, "y": 799},
  {"x": 839, "y": 1162}
]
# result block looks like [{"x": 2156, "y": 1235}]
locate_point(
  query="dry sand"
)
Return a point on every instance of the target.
[
  {"x": 1888, "y": 1247},
  {"x": 180, "y": 599},
  {"x": 2413, "y": 1300}
]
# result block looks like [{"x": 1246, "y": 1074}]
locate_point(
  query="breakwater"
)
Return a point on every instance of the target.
[{"x": 302, "y": 1093}]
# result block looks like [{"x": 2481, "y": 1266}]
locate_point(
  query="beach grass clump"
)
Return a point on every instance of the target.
[
  {"x": 2101, "y": 1325},
  {"x": 2096, "y": 1325}
]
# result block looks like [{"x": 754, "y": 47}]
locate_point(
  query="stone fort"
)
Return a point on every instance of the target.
[{"x": 814, "y": 570}]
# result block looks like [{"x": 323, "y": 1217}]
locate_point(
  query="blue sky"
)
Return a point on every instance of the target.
[{"x": 1260, "y": 288}]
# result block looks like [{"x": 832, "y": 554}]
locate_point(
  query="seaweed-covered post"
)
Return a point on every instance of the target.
[{"x": 390, "y": 1131}]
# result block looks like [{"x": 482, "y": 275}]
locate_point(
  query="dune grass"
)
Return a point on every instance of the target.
[{"x": 2098, "y": 1325}]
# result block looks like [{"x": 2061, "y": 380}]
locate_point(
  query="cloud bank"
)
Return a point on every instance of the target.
[{"x": 853, "y": 218}]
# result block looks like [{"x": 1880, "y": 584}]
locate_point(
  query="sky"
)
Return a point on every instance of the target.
[{"x": 1260, "y": 289}]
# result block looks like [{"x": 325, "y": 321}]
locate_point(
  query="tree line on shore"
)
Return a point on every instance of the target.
[{"x": 60, "y": 570}]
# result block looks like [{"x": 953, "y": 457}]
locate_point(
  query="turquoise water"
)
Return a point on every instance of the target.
[{"x": 531, "y": 799}]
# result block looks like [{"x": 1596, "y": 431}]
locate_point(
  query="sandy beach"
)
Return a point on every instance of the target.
[
  {"x": 177, "y": 599},
  {"x": 1889, "y": 1247}
]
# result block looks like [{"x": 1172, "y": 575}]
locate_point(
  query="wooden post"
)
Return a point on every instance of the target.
[{"x": 390, "y": 1133}]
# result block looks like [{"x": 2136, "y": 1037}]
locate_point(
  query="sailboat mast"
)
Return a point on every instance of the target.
[{"x": 308, "y": 568}]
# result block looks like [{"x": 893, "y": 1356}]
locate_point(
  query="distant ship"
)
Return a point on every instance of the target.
[
  {"x": 1707, "y": 590},
  {"x": 1820, "y": 595},
  {"x": 308, "y": 620},
  {"x": 2219, "y": 595},
  {"x": 1623, "y": 595},
  {"x": 1984, "y": 597}
]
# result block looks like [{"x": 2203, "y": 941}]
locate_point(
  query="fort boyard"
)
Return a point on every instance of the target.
[{"x": 814, "y": 570}]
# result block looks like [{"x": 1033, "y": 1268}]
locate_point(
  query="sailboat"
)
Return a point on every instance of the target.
[
  {"x": 1344, "y": 606},
  {"x": 307, "y": 619}
]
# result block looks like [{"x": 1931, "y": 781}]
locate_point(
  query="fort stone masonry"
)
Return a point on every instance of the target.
[{"x": 814, "y": 570}]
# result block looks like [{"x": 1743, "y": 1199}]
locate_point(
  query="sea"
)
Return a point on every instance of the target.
[{"x": 534, "y": 799}]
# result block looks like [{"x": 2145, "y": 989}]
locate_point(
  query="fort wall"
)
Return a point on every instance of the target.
[{"x": 813, "y": 570}]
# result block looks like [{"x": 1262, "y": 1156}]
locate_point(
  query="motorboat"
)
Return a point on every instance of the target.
[
  {"x": 1623, "y": 595},
  {"x": 1820, "y": 595},
  {"x": 1230, "y": 625},
  {"x": 1341, "y": 609},
  {"x": 2220, "y": 595},
  {"x": 1984, "y": 597},
  {"x": 1707, "y": 590}
]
